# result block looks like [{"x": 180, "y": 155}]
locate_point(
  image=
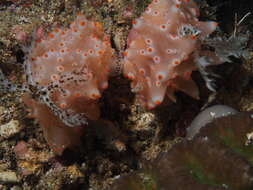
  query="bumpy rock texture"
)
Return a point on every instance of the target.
[
  {"x": 163, "y": 46},
  {"x": 69, "y": 67},
  {"x": 218, "y": 157}
]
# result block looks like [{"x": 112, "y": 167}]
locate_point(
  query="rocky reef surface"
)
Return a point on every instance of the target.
[
  {"x": 129, "y": 139},
  {"x": 218, "y": 157}
]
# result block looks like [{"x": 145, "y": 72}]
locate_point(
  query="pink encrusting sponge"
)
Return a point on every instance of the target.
[
  {"x": 159, "y": 57},
  {"x": 70, "y": 68}
]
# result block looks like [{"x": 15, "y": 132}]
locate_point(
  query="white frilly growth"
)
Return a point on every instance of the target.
[{"x": 209, "y": 78}]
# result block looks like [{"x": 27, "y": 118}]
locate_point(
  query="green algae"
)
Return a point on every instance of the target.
[{"x": 198, "y": 172}]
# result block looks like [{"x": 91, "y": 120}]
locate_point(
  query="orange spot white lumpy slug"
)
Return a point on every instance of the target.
[{"x": 159, "y": 54}]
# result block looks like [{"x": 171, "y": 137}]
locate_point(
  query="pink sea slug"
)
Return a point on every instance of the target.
[
  {"x": 161, "y": 53},
  {"x": 69, "y": 68}
]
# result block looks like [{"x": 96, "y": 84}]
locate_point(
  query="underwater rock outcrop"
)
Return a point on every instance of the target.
[
  {"x": 206, "y": 116},
  {"x": 219, "y": 157}
]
